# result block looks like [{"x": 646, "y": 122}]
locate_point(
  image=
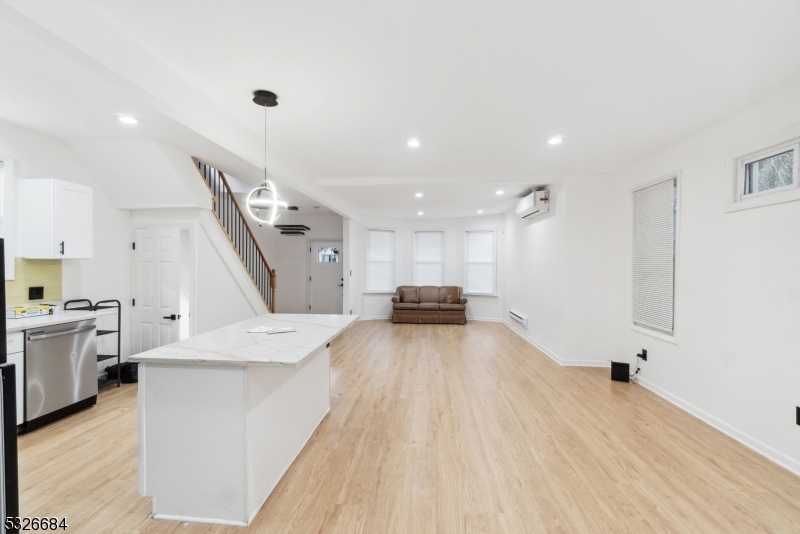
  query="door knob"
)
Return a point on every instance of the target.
[{"x": 172, "y": 317}]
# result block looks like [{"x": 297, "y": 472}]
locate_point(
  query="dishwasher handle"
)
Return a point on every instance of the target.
[{"x": 64, "y": 333}]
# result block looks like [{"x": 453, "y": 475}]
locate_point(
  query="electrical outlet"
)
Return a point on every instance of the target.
[{"x": 643, "y": 355}]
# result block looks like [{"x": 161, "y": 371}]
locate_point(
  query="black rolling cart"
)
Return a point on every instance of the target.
[{"x": 86, "y": 304}]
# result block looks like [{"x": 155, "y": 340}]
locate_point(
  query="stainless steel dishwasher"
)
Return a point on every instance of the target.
[{"x": 60, "y": 371}]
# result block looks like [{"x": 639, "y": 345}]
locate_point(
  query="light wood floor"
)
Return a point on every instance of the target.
[{"x": 447, "y": 429}]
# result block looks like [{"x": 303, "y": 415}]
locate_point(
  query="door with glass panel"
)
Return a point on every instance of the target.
[{"x": 325, "y": 277}]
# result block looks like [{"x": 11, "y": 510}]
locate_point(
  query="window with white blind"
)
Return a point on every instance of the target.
[
  {"x": 379, "y": 269},
  {"x": 429, "y": 258},
  {"x": 480, "y": 262},
  {"x": 654, "y": 250}
]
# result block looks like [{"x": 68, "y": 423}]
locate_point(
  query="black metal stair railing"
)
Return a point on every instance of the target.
[{"x": 233, "y": 221}]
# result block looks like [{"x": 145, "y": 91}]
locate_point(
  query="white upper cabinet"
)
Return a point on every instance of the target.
[{"x": 56, "y": 220}]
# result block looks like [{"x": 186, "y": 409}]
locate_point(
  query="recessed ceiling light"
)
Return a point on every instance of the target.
[
  {"x": 413, "y": 142},
  {"x": 127, "y": 119},
  {"x": 480, "y": 211},
  {"x": 498, "y": 192},
  {"x": 418, "y": 195},
  {"x": 557, "y": 140},
  {"x": 420, "y": 213}
]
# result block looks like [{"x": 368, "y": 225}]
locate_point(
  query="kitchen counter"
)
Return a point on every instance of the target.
[
  {"x": 66, "y": 316},
  {"x": 232, "y": 345},
  {"x": 222, "y": 415}
]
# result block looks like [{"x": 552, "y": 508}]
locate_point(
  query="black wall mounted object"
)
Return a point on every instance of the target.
[
  {"x": 620, "y": 372},
  {"x": 36, "y": 293}
]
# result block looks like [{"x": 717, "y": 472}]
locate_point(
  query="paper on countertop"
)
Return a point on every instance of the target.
[{"x": 271, "y": 330}]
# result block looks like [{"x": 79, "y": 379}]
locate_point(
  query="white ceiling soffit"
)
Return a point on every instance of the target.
[
  {"x": 52, "y": 86},
  {"x": 481, "y": 84}
]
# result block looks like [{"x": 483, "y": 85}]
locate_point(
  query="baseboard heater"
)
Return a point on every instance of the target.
[{"x": 519, "y": 319}]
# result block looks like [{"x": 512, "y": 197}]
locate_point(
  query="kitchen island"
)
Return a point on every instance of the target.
[{"x": 224, "y": 414}]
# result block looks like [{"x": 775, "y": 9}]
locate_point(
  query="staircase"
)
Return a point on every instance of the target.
[{"x": 233, "y": 222}]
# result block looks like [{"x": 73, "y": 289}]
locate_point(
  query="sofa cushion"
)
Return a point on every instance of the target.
[
  {"x": 428, "y": 306},
  {"x": 409, "y": 294},
  {"x": 405, "y": 306},
  {"x": 451, "y": 295},
  {"x": 452, "y": 307},
  {"x": 429, "y": 294}
]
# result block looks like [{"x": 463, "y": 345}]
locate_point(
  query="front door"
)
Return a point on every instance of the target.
[
  {"x": 156, "y": 287},
  {"x": 326, "y": 284}
]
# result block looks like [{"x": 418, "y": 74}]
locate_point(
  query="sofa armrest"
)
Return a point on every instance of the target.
[
  {"x": 463, "y": 300},
  {"x": 395, "y": 300}
]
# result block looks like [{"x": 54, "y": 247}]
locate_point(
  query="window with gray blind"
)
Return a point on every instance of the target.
[
  {"x": 429, "y": 258},
  {"x": 654, "y": 248},
  {"x": 480, "y": 262},
  {"x": 379, "y": 268}
]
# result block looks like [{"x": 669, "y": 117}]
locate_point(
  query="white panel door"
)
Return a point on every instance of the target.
[
  {"x": 156, "y": 287},
  {"x": 326, "y": 284}
]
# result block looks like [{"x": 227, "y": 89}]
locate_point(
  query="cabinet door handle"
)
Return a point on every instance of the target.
[{"x": 62, "y": 248}]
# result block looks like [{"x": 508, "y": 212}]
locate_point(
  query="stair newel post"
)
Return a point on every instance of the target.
[{"x": 272, "y": 283}]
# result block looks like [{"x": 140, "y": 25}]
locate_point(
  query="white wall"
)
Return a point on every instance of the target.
[
  {"x": 288, "y": 256},
  {"x": 107, "y": 274},
  {"x": 735, "y": 364},
  {"x": 736, "y": 361},
  {"x": 380, "y": 305},
  {"x": 558, "y": 269}
]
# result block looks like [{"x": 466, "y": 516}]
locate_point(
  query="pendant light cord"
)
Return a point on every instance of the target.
[{"x": 265, "y": 144}]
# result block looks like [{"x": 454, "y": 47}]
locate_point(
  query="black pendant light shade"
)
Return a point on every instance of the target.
[{"x": 268, "y": 99}]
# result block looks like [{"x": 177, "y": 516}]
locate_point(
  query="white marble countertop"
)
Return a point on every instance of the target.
[
  {"x": 232, "y": 345},
  {"x": 66, "y": 316}
]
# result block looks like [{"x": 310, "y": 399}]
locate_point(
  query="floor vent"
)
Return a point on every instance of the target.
[{"x": 519, "y": 319}]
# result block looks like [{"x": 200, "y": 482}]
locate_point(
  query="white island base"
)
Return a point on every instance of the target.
[{"x": 215, "y": 440}]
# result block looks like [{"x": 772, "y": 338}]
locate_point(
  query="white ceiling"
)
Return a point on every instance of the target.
[{"x": 481, "y": 84}]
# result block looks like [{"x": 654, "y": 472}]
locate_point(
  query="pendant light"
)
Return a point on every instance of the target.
[{"x": 263, "y": 202}]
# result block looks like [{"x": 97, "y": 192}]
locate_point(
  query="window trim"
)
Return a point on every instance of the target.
[
  {"x": 464, "y": 262},
  {"x": 366, "y": 261},
  {"x": 742, "y": 162},
  {"x": 658, "y": 334},
  {"x": 414, "y": 253}
]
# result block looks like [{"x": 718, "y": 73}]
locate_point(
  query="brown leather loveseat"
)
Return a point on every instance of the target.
[{"x": 429, "y": 304}]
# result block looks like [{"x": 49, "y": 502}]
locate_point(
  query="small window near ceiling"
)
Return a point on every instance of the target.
[
  {"x": 429, "y": 258},
  {"x": 379, "y": 268},
  {"x": 769, "y": 171},
  {"x": 654, "y": 251},
  {"x": 327, "y": 255},
  {"x": 480, "y": 262}
]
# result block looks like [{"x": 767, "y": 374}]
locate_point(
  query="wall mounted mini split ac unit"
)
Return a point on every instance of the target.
[{"x": 536, "y": 203}]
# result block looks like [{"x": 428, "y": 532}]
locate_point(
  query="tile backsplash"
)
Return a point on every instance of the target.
[{"x": 29, "y": 273}]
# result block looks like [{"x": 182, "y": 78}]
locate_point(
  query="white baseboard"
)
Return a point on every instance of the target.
[
  {"x": 745, "y": 439},
  {"x": 555, "y": 357},
  {"x": 488, "y": 319},
  {"x": 375, "y": 318}
]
